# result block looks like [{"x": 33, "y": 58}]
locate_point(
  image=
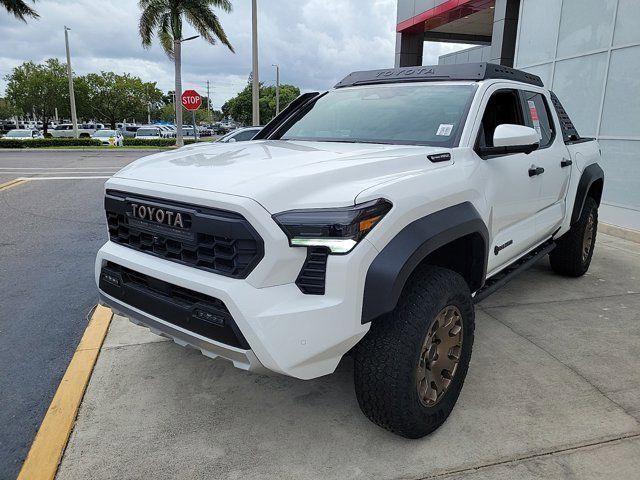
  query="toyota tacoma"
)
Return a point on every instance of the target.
[{"x": 367, "y": 219}]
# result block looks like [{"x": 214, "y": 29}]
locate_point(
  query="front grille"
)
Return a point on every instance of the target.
[
  {"x": 214, "y": 240},
  {"x": 312, "y": 276},
  {"x": 194, "y": 311}
]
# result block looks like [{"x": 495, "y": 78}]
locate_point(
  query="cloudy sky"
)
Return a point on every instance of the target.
[{"x": 315, "y": 42}]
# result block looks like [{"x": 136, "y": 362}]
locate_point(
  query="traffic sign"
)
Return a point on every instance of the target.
[{"x": 191, "y": 100}]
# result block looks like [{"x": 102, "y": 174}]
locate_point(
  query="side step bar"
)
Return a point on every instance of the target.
[{"x": 501, "y": 279}]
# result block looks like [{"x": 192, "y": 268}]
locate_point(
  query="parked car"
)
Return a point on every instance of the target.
[
  {"x": 129, "y": 131},
  {"x": 240, "y": 135},
  {"x": 111, "y": 138},
  {"x": 27, "y": 134},
  {"x": 149, "y": 133},
  {"x": 219, "y": 129},
  {"x": 188, "y": 132},
  {"x": 368, "y": 219},
  {"x": 65, "y": 130},
  {"x": 92, "y": 126},
  {"x": 167, "y": 132},
  {"x": 24, "y": 134}
]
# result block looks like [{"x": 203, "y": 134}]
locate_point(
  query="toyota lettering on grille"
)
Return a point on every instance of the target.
[{"x": 157, "y": 215}]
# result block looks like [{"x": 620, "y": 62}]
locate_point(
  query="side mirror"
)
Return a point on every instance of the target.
[
  {"x": 509, "y": 138},
  {"x": 232, "y": 140}
]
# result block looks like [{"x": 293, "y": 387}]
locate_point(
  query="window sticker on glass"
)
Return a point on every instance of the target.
[
  {"x": 534, "y": 117},
  {"x": 444, "y": 129}
]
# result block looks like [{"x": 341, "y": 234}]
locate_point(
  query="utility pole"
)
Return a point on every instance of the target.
[
  {"x": 277, "y": 88},
  {"x": 255, "y": 91},
  {"x": 72, "y": 97}
]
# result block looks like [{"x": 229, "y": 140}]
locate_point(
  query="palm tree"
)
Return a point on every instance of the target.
[
  {"x": 164, "y": 19},
  {"x": 19, "y": 8}
]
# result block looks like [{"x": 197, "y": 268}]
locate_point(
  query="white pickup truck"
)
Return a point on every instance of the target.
[
  {"x": 65, "y": 130},
  {"x": 366, "y": 219}
]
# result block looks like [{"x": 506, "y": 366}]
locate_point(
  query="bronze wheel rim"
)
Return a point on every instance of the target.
[
  {"x": 439, "y": 356},
  {"x": 588, "y": 238}
]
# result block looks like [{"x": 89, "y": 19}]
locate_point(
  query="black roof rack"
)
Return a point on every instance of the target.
[{"x": 434, "y": 73}]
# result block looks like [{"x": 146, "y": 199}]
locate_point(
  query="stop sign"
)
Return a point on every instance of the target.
[{"x": 191, "y": 100}]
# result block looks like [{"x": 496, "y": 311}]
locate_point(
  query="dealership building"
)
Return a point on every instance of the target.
[{"x": 586, "y": 51}]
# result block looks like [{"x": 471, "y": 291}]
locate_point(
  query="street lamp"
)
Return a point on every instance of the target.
[
  {"x": 72, "y": 97},
  {"x": 277, "y": 87}
]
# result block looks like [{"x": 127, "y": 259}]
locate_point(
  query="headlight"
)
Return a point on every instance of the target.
[{"x": 338, "y": 229}]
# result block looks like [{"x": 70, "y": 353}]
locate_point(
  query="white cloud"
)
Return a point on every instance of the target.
[{"x": 315, "y": 42}]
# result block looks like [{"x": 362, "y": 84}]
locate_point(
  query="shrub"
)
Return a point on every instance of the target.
[
  {"x": 49, "y": 142},
  {"x": 156, "y": 142}
]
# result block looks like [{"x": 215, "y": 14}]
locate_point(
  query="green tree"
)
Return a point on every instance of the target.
[
  {"x": 19, "y": 8},
  {"x": 40, "y": 89},
  {"x": 239, "y": 107},
  {"x": 114, "y": 97},
  {"x": 6, "y": 109},
  {"x": 164, "y": 18}
]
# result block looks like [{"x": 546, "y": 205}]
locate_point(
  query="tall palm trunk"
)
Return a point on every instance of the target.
[{"x": 177, "y": 52}]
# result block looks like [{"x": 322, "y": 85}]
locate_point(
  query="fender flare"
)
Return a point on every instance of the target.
[
  {"x": 390, "y": 270},
  {"x": 590, "y": 175}
]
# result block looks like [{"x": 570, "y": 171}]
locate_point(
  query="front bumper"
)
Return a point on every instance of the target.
[
  {"x": 288, "y": 332},
  {"x": 244, "y": 359}
]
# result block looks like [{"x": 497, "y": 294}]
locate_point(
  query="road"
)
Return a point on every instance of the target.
[{"x": 50, "y": 229}]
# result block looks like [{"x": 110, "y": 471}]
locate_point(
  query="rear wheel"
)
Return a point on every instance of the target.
[
  {"x": 410, "y": 367},
  {"x": 574, "y": 250}
]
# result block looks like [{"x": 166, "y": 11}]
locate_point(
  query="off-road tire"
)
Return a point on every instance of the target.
[
  {"x": 386, "y": 361},
  {"x": 574, "y": 250}
]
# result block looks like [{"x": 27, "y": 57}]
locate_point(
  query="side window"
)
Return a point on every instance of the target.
[
  {"x": 245, "y": 136},
  {"x": 504, "y": 106},
  {"x": 539, "y": 117}
]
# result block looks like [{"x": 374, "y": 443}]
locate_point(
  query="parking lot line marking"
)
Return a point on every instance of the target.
[
  {"x": 12, "y": 183},
  {"x": 64, "y": 178},
  {"x": 60, "y": 174},
  {"x": 48, "y": 446}
]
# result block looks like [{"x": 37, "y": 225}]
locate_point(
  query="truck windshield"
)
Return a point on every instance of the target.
[{"x": 406, "y": 114}]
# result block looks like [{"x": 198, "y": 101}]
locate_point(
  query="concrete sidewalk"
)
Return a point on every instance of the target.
[{"x": 553, "y": 392}]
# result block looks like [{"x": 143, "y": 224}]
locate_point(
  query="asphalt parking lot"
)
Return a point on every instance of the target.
[
  {"x": 553, "y": 392},
  {"x": 51, "y": 228}
]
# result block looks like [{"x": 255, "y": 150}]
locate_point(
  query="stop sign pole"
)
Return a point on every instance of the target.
[{"x": 192, "y": 101}]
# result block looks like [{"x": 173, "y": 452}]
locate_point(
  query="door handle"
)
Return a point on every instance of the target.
[
  {"x": 566, "y": 163},
  {"x": 533, "y": 171}
]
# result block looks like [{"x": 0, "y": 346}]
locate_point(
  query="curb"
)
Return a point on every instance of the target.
[
  {"x": 624, "y": 233},
  {"x": 48, "y": 446}
]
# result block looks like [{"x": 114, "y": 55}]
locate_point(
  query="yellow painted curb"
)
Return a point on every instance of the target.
[
  {"x": 52, "y": 437},
  {"x": 12, "y": 183}
]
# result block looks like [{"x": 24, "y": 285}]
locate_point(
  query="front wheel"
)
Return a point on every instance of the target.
[
  {"x": 574, "y": 250},
  {"x": 409, "y": 369}
]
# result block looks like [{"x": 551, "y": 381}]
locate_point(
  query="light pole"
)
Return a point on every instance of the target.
[
  {"x": 255, "y": 90},
  {"x": 277, "y": 88},
  {"x": 72, "y": 96},
  {"x": 177, "y": 59}
]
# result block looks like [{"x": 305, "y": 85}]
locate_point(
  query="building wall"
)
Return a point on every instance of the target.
[
  {"x": 588, "y": 52},
  {"x": 480, "y": 53},
  {"x": 410, "y": 8}
]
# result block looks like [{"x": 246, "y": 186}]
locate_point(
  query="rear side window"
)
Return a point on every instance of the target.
[{"x": 538, "y": 117}]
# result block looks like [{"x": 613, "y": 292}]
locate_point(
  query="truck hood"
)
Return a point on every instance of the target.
[{"x": 283, "y": 175}]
